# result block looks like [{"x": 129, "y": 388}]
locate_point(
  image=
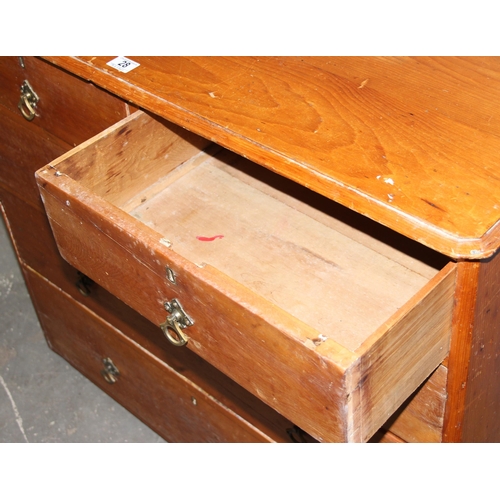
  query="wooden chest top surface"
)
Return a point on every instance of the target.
[{"x": 412, "y": 143}]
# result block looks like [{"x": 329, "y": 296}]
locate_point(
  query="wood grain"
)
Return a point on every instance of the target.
[
  {"x": 130, "y": 156},
  {"x": 356, "y": 227},
  {"x": 460, "y": 349},
  {"x": 420, "y": 418},
  {"x": 474, "y": 369},
  {"x": 405, "y": 350},
  {"x": 382, "y": 136},
  {"x": 275, "y": 250},
  {"x": 482, "y": 404},
  {"x": 24, "y": 148},
  {"x": 385, "y": 436}
]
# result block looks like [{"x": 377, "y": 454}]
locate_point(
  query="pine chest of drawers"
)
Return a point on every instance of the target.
[{"x": 283, "y": 248}]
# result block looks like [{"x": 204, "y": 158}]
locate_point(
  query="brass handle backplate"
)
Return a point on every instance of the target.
[
  {"x": 28, "y": 101},
  {"x": 177, "y": 321}
]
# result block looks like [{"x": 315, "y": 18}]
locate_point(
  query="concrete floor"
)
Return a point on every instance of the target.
[{"x": 42, "y": 398}]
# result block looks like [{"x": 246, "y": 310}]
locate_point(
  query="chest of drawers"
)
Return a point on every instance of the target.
[{"x": 330, "y": 234}]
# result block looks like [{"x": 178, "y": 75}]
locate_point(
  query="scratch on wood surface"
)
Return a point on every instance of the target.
[
  {"x": 309, "y": 343},
  {"x": 363, "y": 83},
  {"x": 19, "y": 420}
]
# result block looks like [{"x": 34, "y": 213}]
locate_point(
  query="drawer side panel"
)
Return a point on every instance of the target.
[{"x": 395, "y": 364}]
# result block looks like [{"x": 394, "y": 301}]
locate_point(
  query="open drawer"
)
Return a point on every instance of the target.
[{"x": 282, "y": 289}]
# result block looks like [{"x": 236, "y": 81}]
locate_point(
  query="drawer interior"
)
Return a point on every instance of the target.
[
  {"x": 326, "y": 316},
  {"x": 332, "y": 269}
]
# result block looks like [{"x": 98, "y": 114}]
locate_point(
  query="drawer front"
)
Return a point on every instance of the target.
[
  {"x": 36, "y": 248},
  {"x": 332, "y": 391},
  {"x": 169, "y": 403},
  {"x": 69, "y": 108},
  {"x": 24, "y": 148}
]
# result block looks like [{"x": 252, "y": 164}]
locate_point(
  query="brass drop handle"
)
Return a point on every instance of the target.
[
  {"x": 177, "y": 321},
  {"x": 110, "y": 371},
  {"x": 83, "y": 284},
  {"x": 172, "y": 324},
  {"x": 28, "y": 101}
]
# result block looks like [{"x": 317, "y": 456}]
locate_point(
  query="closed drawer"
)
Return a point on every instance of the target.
[
  {"x": 24, "y": 148},
  {"x": 69, "y": 108},
  {"x": 314, "y": 310},
  {"x": 164, "y": 399}
]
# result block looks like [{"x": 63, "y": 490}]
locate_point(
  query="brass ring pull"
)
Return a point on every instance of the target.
[
  {"x": 109, "y": 377},
  {"x": 176, "y": 322},
  {"x": 180, "y": 339},
  {"x": 27, "y": 101},
  {"x": 24, "y": 102}
]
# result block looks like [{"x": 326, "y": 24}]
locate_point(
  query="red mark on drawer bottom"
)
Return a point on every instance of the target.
[{"x": 211, "y": 238}]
